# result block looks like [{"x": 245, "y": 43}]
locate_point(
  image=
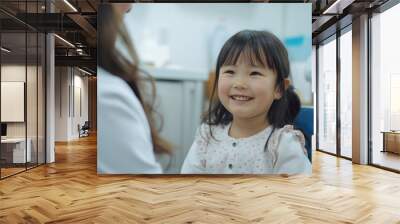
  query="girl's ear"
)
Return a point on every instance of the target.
[
  {"x": 287, "y": 83},
  {"x": 278, "y": 93}
]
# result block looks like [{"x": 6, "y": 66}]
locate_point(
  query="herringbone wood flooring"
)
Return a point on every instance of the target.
[{"x": 70, "y": 191}]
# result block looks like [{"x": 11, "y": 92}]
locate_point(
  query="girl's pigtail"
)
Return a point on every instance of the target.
[
  {"x": 291, "y": 101},
  {"x": 293, "y": 105}
]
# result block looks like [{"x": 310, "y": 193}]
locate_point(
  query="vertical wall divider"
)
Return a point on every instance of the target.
[
  {"x": 338, "y": 100},
  {"x": 60, "y": 86},
  {"x": 37, "y": 89},
  {"x": 1, "y": 166},
  {"x": 369, "y": 96},
  {"x": 45, "y": 89},
  {"x": 26, "y": 86},
  {"x": 317, "y": 96},
  {"x": 73, "y": 93},
  {"x": 69, "y": 92}
]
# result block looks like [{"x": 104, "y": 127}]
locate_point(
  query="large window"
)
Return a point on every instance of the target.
[
  {"x": 346, "y": 93},
  {"x": 327, "y": 96},
  {"x": 335, "y": 137},
  {"x": 385, "y": 89}
]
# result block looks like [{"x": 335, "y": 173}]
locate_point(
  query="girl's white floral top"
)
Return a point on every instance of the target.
[{"x": 222, "y": 154}]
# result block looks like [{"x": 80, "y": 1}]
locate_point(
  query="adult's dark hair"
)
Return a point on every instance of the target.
[
  {"x": 260, "y": 47},
  {"x": 110, "y": 26}
]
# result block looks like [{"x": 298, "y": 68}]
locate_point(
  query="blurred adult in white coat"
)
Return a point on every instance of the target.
[{"x": 127, "y": 139}]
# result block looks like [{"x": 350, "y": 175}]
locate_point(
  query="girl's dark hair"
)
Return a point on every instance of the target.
[
  {"x": 260, "y": 47},
  {"x": 111, "y": 27}
]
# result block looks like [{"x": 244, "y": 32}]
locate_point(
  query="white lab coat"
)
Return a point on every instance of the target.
[{"x": 124, "y": 144}]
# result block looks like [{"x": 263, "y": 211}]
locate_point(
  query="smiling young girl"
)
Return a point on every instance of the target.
[{"x": 248, "y": 129}]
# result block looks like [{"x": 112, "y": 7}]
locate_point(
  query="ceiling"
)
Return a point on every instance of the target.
[
  {"x": 76, "y": 20},
  {"x": 76, "y": 24}
]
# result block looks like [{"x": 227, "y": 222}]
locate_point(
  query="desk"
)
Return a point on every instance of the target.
[
  {"x": 391, "y": 141},
  {"x": 15, "y": 148}
]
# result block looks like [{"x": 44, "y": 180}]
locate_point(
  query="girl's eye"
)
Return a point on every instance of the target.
[
  {"x": 255, "y": 74},
  {"x": 229, "y": 72}
]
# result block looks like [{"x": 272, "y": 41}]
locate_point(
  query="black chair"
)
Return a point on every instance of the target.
[{"x": 84, "y": 130}]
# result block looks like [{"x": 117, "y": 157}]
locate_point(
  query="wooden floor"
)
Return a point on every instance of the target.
[
  {"x": 5, "y": 172},
  {"x": 70, "y": 191},
  {"x": 387, "y": 159},
  {"x": 10, "y": 171}
]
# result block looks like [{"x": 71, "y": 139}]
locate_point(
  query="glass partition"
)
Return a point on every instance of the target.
[
  {"x": 22, "y": 90},
  {"x": 13, "y": 105}
]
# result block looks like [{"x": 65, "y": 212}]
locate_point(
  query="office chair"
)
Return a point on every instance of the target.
[{"x": 84, "y": 130}]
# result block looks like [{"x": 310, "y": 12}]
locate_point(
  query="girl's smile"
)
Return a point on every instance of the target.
[{"x": 239, "y": 97}]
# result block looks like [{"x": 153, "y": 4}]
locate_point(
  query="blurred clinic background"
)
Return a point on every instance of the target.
[{"x": 178, "y": 44}]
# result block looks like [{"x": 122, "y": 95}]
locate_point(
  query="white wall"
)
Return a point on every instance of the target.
[
  {"x": 13, "y": 72},
  {"x": 61, "y": 103},
  {"x": 68, "y": 83}
]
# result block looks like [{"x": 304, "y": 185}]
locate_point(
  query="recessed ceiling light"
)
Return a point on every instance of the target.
[
  {"x": 86, "y": 72},
  {"x": 5, "y": 50},
  {"x": 70, "y": 5},
  {"x": 338, "y": 6},
  {"x": 64, "y": 40}
]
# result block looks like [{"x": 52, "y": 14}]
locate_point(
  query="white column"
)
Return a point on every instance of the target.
[
  {"x": 50, "y": 100},
  {"x": 50, "y": 92},
  {"x": 360, "y": 90}
]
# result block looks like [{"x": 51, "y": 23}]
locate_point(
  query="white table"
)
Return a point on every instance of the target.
[{"x": 19, "y": 149}]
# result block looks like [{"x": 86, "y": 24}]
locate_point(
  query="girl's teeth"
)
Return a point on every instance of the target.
[{"x": 240, "y": 97}]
